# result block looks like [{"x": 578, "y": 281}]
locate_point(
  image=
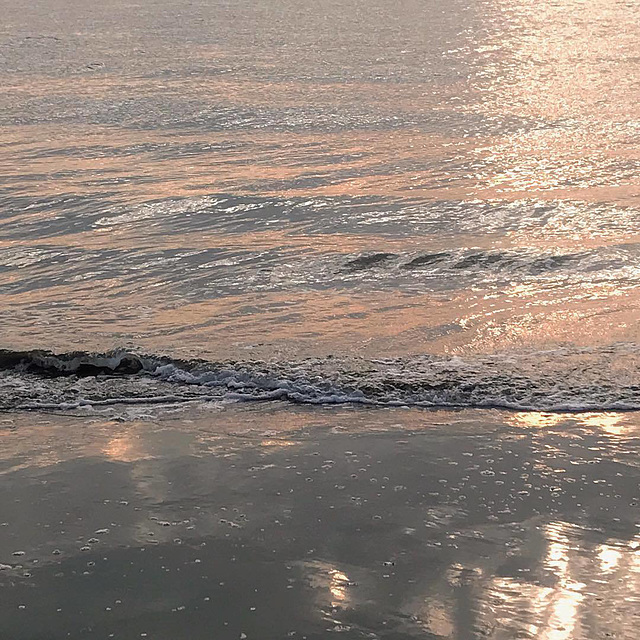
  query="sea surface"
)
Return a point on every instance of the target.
[
  {"x": 432, "y": 203},
  {"x": 319, "y": 318}
]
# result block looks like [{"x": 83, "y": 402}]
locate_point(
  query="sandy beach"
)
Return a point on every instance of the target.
[{"x": 273, "y": 522}]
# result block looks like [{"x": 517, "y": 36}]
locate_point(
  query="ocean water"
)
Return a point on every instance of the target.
[
  {"x": 428, "y": 203},
  {"x": 320, "y": 318}
]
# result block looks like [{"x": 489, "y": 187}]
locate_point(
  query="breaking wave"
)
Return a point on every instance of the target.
[{"x": 562, "y": 379}]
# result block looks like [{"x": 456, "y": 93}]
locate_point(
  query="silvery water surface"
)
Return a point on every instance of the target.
[
  {"x": 345, "y": 212},
  {"x": 416, "y": 203}
]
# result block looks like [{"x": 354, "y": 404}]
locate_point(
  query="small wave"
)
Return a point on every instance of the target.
[
  {"x": 426, "y": 259},
  {"x": 78, "y": 363},
  {"x": 476, "y": 262},
  {"x": 369, "y": 260},
  {"x": 563, "y": 379}
]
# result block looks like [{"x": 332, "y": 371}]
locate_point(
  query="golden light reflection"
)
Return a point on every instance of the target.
[
  {"x": 338, "y": 586},
  {"x": 125, "y": 448},
  {"x": 609, "y": 557},
  {"x": 374, "y": 325},
  {"x": 536, "y": 419},
  {"x": 329, "y": 581},
  {"x": 562, "y": 609},
  {"x": 545, "y": 612},
  {"x": 563, "y": 613},
  {"x": 551, "y": 316},
  {"x": 560, "y": 75},
  {"x": 586, "y": 588},
  {"x": 271, "y": 442},
  {"x": 562, "y": 110},
  {"x": 437, "y": 618},
  {"x": 557, "y": 559},
  {"x": 266, "y": 161},
  {"x": 616, "y": 424}
]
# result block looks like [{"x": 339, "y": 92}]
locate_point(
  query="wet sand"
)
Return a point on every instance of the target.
[{"x": 276, "y": 521}]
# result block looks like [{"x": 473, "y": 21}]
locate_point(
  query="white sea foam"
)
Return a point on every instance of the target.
[{"x": 568, "y": 379}]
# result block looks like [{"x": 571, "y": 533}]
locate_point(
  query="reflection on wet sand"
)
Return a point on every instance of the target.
[
  {"x": 124, "y": 448},
  {"x": 450, "y": 526}
]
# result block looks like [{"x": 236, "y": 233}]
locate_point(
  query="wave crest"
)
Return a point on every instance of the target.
[{"x": 564, "y": 379}]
